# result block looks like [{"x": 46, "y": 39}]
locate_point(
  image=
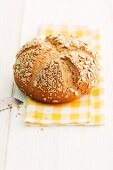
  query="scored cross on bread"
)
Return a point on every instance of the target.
[{"x": 58, "y": 69}]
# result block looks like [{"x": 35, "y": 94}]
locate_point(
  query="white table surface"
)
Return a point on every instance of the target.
[{"x": 53, "y": 148}]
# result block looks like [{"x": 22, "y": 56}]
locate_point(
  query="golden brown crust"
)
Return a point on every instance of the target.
[{"x": 58, "y": 69}]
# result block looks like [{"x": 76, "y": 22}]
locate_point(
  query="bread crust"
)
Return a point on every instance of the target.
[{"x": 58, "y": 69}]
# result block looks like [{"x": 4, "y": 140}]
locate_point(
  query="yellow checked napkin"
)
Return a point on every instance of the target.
[{"x": 88, "y": 110}]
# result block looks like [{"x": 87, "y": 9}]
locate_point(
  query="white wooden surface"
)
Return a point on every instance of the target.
[{"x": 58, "y": 148}]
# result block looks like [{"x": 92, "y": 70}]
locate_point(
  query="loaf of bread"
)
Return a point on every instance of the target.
[{"x": 57, "y": 69}]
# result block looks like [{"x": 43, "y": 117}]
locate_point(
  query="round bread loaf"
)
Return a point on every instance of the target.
[{"x": 58, "y": 69}]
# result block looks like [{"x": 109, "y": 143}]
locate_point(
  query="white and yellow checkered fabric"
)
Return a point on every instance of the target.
[{"x": 88, "y": 110}]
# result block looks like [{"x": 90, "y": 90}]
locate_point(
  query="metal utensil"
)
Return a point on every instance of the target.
[{"x": 9, "y": 102}]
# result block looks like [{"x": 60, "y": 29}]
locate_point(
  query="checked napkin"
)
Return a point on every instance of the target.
[{"x": 88, "y": 110}]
